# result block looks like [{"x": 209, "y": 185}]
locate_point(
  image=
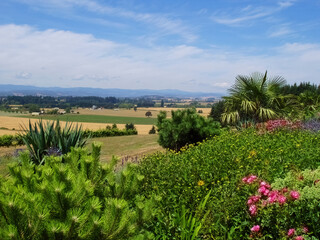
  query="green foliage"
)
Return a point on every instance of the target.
[
  {"x": 255, "y": 97},
  {"x": 32, "y": 107},
  {"x": 130, "y": 126},
  {"x": 162, "y": 103},
  {"x": 41, "y": 138},
  {"x": 10, "y": 140},
  {"x": 217, "y": 110},
  {"x": 185, "y": 127},
  {"x": 74, "y": 198},
  {"x": 95, "y": 119},
  {"x": 148, "y": 114},
  {"x": 109, "y": 132},
  {"x": 13, "y": 140},
  {"x": 218, "y": 165},
  {"x": 299, "y": 213},
  {"x": 152, "y": 130}
]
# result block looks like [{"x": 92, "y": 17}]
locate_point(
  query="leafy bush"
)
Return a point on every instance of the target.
[
  {"x": 73, "y": 198},
  {"x": 40, "y": 138},
  {"x": 287, "y": 208},
  {"x": 217, "y": 110},
  {"x": 152, "y": 130},
  {"x": 130, "y": 126},
  {"x": 185, "y": 127},
  {"x": 109, "y": 132},
  {"x": 13, "y": 140},
  {"x": 219, "y": 164},
  {"x": 10, "y": 140}
]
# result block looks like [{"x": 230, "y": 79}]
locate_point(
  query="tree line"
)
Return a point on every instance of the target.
[{"x": 69, "y": 101}]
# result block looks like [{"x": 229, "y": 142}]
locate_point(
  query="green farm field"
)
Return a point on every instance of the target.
[
  {"x": 95, "y": 119},
  {"x": 135, "y": 146}
]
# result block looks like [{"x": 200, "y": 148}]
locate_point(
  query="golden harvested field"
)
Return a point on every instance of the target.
[
  {"x": 131, "y": 113},
  {"x": 16, "y": 123}
]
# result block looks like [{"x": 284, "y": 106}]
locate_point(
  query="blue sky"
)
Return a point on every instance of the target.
[{"x": 189, "y": 45}]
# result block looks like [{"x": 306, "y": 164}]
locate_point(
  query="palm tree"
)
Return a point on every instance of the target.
[{"x": 254, "y": 98}]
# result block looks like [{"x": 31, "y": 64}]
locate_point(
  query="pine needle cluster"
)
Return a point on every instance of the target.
[{"x": 73, "y": 198}]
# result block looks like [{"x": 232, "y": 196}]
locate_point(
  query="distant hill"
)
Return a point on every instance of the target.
[{"x": 22, "y": 90}]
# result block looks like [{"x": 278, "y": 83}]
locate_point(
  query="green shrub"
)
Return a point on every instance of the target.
[
  {"x": 41, "y": 139},
  {"x": 74, "y": 198},
  {"x": 130, "y": 126},
  {"x": 219, "y": 164},
  {"x": 185, "y": 127},
  {"x": 109, "y": 132},
  {"x": 152, "y": 130},
  {"x": 10, "y": 140}
]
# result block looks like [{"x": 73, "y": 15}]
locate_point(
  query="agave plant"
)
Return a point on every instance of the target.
[
  {"x": 42, "y": 139},
  {"x": 254, "y": 98}
]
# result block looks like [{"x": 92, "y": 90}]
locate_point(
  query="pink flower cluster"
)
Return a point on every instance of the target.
[
  {"x": 292, "y": 232},
  {"x": 281, "y": 123},
  {"x": 266, "y": 195},
  {"x": 249, "y": 179}
]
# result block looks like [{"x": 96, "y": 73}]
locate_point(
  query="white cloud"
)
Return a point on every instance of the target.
[
  {"x": 249, "y": 13},
  {"x": 165, "y": 24},
  {"x": 24, "y": 75},
  {"x": 281, "y": 31},
  {"x": 67, "y": 59}
]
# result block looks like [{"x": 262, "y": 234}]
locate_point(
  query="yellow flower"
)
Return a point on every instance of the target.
[
  {"x": 253, "y": 153},
  {"x": 201, "y": 183}
]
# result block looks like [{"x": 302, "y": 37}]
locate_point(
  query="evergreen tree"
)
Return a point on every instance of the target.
[{"x": 185, "y": 127}]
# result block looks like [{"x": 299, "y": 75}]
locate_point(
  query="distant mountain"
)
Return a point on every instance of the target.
[{"x": 21, "y": 90}]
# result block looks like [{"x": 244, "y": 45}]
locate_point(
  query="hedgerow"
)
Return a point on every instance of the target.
[{"x": 14, "y": 140}]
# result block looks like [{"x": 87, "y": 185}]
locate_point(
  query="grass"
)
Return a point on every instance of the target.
[
  {"x": 127, "y": 146},
  {"x": 124, "y": 147},
  {"x": 96, "y": 119}
]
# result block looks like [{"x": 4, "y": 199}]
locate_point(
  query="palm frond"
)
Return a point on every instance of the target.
[{"x": 230, "y": 117}]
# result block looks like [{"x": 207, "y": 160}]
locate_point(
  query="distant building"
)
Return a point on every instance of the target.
[
  {"x": 62, "y": 112},
  {"x": 35, "y": 113}
]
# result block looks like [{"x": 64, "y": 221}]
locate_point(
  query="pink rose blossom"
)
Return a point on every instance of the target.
[
  {"x": 284, "y": 190},
  {"x": 282, "y": 199},
  {"x": 299, "y": 238},
  {"x": 251, "y": 179},
  {"x": 244, "y": 179},
  {"x": 291, "y": 232},
  {"x": 266, "y": 192},
  {"x": 255, "y": 228},
  {"x": 253, "y": 210},
  {"x": 262, "y": 189},
  {"x": 295, "y": 195},
  {"x": 253, "y": 200},
  {"x": 264, "y": 184}
]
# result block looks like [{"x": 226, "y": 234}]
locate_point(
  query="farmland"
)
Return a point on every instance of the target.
[
  {"x": 12, "y": 125},
  {"x": 96, "y": 119}
]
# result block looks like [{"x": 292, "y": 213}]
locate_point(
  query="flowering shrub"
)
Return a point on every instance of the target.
[
  {"x": 312, "y": 125},
  {"x": 272, "y": 125},
  {"x": 286, "y": 209},
  {"x": 185, "y": 177}
]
